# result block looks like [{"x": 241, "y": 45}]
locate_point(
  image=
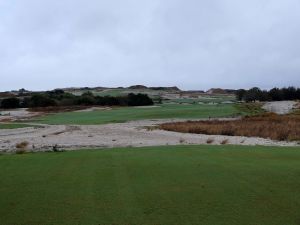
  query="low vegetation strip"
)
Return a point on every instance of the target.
[
  {"x": 13, "y": 125},
  {"x": 212, "y": 185},
  {"x": 63, "y": 99},
  {"x": 275, "y": 127}
]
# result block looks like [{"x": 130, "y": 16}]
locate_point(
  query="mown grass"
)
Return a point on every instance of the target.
[
  {"x": 216, "y": 99},
  {"x": 157, "y": 185},
  {"x": 272, "y": 126},
  {"x": 13, "y": 125},
  {"x": 123, "y": 114}
]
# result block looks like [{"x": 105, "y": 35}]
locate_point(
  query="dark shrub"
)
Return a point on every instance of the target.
[
  {"x": 139, "y": 100},
  {"x": 275, "y": 94},
  {"x": 86, "y": 100},
  {"x": 41, "y": 100},
  {"x": 60, "y": 98},
  {"x": 10, "y": 103},
  {"x": 240, "y": 94}
]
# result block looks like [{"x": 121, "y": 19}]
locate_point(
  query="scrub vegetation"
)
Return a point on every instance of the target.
[{"x": 276, "y": 127}]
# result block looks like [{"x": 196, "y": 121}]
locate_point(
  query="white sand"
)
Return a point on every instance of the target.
[
  {"x": 17, "y": 114},
  {"x": 280, "y": 107}
]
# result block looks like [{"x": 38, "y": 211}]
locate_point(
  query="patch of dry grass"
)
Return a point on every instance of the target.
[
  {"x": 56, "y": 109},
  {"x": 224, "y": 142},
  {"x": 210, "y": 140},
  {"x": 275, "y": 127},
  {"x": 181, "y": 140},
  {"x": 22, "y": 145}
]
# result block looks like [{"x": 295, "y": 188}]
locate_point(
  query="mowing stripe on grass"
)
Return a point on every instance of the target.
[{"x": 154, "y": 185}]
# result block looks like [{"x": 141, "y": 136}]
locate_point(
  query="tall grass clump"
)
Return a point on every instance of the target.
[{"x": 22, "y": 145}]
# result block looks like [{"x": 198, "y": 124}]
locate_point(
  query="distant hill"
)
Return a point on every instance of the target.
[
  {"x": 174, "y": 88},
  {"x": 123, "y": 91},
  {"x": 220, "y": 91}
]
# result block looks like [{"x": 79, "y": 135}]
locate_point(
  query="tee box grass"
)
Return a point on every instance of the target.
[{"x": 208, "y": 185}]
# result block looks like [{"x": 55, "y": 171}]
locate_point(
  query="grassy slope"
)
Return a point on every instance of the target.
[
  {"x": 112, "y": 92},
  {"x": 164, "y": 185},
  {"x": 13, "y": 125},
  {"x": 131, "y": 113}
]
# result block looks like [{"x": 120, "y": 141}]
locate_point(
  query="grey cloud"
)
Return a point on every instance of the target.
[{"x": 192, "y": 44}]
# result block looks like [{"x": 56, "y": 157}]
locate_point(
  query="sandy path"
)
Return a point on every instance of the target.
[
  {"x": 113, "y": 135},
  {"x": 281, "y": 107}
]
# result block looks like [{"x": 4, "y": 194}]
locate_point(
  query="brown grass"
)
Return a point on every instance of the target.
[
  {"x": 55, "y": 109},
  {"x": 210, "y": 140},
  {"x": 22, "y": 145},
  {"x": 7, "y": 120},
  {"x": 224, "y": 142},
  {"x": 181, "y": 140},
  {"x": 272, "y": 126}
]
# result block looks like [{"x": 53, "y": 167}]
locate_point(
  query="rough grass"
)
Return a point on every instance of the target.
[
  {"x": 276, "y": 127},
  {"x": 163, "y": 185},
  {"x": 13, "y": 125},
  {"x": 254, "y": 108},
  {"x": 54, "y": 109},
  {"x": 123, "y": 114}
]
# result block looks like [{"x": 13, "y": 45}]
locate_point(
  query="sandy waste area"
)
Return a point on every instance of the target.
[
  {"x": 282, "y": 107},
  {"x": 131, "y": 134},
  {"x": 135, "y": 134}
]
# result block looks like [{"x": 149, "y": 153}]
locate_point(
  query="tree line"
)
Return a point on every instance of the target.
[
  {"x": 275, "y": 94},
  {"x": 61, "y": 98}
]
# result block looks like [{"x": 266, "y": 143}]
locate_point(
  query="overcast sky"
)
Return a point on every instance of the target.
[{"x": 193, "y": 44}]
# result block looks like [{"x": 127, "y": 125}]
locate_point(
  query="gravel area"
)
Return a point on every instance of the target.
[{"x": 135, "y": 133}]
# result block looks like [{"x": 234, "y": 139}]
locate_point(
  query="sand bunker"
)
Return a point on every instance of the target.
[
  {"x": 17, "y": 114},
  {"x": 280, "y": 107}
]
